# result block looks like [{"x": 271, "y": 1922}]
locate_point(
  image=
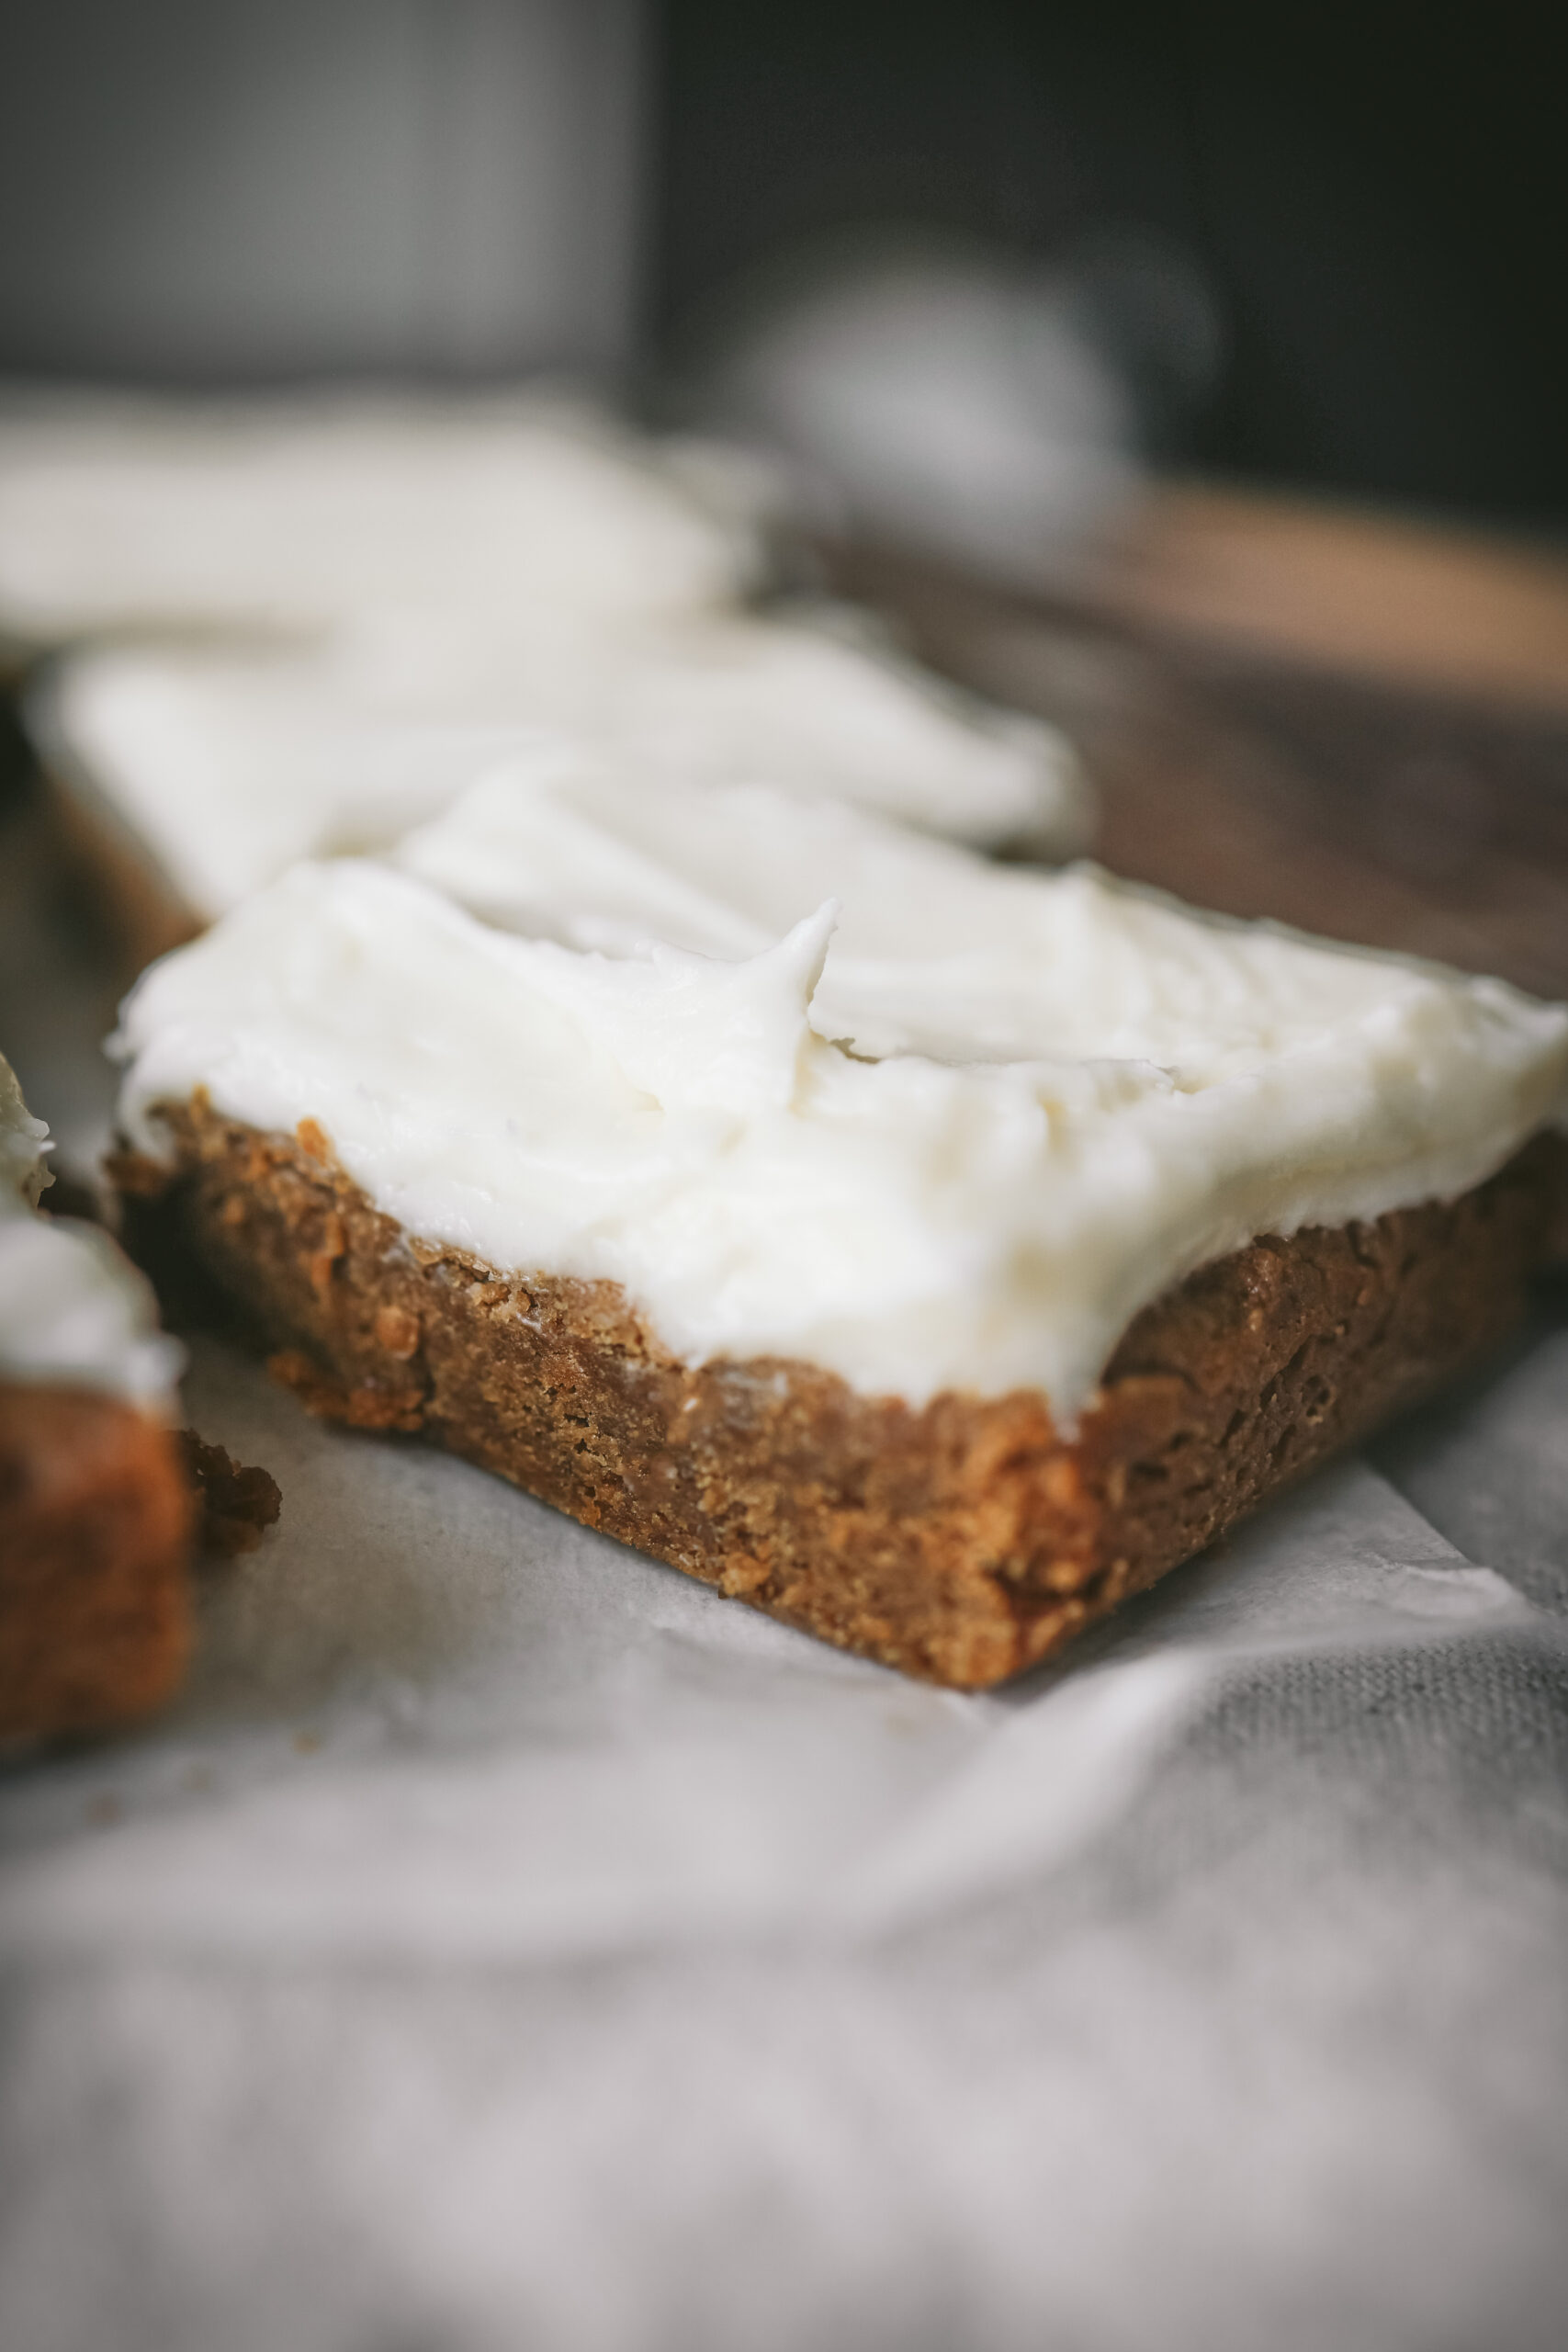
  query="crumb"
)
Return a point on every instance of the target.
[{"x": 237, "y": 1505}]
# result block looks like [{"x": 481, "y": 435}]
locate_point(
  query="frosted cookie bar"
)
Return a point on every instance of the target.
[
  {"x": 96, "y": 1505},
  {"x": 294, "y": 514},
  {"x": 207, "y": 772},
  {"x": 928, "y": 1302}
]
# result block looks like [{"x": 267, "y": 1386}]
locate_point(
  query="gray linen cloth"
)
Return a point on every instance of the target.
[{"x": 508, "y": 1942}]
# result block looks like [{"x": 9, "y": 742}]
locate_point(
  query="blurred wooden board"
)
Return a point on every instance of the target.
[
  {"x": 1388, "y": 598},
  {"x": 1390, "y": 795}
]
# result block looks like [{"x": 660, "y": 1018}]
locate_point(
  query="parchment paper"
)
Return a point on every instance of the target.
[{"x": 506, "y": 1942}]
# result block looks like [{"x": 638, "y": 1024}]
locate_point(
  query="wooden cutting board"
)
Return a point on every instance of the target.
[{"x": 1349, "y": 723}]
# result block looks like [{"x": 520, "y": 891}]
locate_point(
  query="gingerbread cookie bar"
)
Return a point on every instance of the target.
[{"x": 936, "y": 1353}]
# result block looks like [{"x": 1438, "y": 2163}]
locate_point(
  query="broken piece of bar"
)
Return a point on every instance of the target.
[
  {"x": 1087, "y": 1223},
  {"x": 95, "y": 1504}
]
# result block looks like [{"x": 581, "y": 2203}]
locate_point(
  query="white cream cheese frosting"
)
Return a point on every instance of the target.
[
  {"x": 936, "y": 951},
  {"x": 294, "y": 514},
  {"x": 229, "y": 765},
  {"x": 73, "y": 1311},
  {"x": 676, "y": 1123}
]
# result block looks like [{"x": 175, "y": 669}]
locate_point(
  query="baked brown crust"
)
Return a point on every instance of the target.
[
  {"x": 96, "y": 1510},
  {"x": 961, "y": 1541}
]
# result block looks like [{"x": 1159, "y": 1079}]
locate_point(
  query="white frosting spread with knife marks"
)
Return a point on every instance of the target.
[{"x": 1087, "y": 1090}]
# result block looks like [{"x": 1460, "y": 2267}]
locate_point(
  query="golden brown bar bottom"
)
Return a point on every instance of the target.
[{"x": 960, "y": 1542}]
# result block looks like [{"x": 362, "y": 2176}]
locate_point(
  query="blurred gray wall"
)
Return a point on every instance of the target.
[{"x": 211, "y": 190}]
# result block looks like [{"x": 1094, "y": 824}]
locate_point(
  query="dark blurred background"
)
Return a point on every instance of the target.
[
  {"x": 1375, "y": 195},
  {"x": 1376, "y": 191},
  {"x": 1315, "y": 254}
]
